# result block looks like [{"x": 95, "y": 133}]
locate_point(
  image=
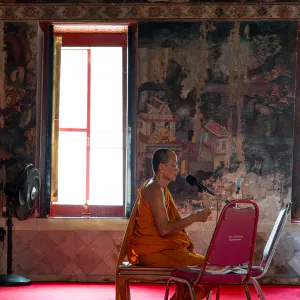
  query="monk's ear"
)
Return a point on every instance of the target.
[{"x": 161, "y": 167}]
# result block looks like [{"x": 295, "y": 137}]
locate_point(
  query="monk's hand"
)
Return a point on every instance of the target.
[{"x": 202, "y": 214}]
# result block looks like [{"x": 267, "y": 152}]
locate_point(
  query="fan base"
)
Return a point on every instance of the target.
[{"x": 14, "y": 280}]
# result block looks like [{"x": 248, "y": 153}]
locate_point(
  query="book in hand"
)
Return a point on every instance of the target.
[{"x": 222, "y": 270}]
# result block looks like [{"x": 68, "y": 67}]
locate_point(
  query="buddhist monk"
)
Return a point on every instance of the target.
[{"x": 157, "y": 237}]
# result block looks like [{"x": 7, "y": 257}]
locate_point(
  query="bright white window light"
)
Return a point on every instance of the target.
[
  {"x": 106, "y": 170},
  {"x": 106, "y": 161}
]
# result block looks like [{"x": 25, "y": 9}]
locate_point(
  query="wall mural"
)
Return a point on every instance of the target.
[
  {"x": 18, "y": 52},
  {"x": 221, "y": 95}
]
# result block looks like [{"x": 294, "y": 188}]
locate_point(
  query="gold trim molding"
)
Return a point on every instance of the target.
[{"x": 139, "y": 12}]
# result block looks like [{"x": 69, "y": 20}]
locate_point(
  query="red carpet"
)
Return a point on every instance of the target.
[{"x": 103, "y": 291}]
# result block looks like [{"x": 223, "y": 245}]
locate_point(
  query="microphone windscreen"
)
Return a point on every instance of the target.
[
  {"x": 191, "y": 180},
  {"x": 239, "y": 182}
]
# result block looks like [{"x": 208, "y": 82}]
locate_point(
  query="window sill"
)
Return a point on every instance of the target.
[{"x": 67, "y": 210}]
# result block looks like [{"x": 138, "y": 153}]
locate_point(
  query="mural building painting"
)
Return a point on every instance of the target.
[{"x": 221, "y": 95}]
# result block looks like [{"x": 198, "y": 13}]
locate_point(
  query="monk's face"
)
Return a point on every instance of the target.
[{"x": 171, "y": 168}]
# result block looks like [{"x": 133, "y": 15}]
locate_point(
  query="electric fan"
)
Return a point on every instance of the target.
[{"x": 20, "y": 202}]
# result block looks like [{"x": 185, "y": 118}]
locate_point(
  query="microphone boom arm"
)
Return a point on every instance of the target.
[{"x": 202, "y": 188}]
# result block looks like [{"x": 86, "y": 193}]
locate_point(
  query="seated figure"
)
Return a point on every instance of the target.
[{"x": 158, "y": 237}]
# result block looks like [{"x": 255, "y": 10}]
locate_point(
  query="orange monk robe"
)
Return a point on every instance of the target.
[
  {"x": 144, "y": 245},
  {"x": 150, "y": 248}
]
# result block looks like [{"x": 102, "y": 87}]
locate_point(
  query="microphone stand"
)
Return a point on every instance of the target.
[
  {"x": 237, "y": 196},
  {"x": 237, "y": 192},
  {"x": 210, "y": 193}
]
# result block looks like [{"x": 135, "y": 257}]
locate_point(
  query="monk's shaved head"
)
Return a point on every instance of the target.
[{"x": 160, "y": 156}]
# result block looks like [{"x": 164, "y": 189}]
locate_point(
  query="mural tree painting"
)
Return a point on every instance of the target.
[
  {"x": 17, "y": 99},
  {"x": 229, "y": 87}
]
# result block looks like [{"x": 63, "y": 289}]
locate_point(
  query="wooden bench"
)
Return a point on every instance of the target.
[{"x": 128, "y": 273}]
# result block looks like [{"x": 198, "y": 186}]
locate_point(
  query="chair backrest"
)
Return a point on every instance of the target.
[
  {"x": 274, "y": 238},
  {"x": 234, "y": 238}
]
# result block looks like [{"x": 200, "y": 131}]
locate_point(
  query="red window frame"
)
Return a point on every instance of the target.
[{"x": 95, "y": 40}]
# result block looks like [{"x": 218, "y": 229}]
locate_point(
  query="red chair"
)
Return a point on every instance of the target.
[{"x": 232, "y": 245}]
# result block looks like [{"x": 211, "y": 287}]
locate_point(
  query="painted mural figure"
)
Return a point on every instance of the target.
[{"x": 158, "y": 238}]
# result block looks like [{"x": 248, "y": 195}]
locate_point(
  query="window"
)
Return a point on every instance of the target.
[{"x": 89, "y": 129}]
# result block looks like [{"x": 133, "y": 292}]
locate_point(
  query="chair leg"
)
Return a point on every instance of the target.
[
  {"x": 192, "y": 291},
  {"x": 209, "y": 296},
  {"x": 167, "y": 290},
  {"x": 258, "y": 289},
  {"x": 123, "y": 288},
  {"x": 218, "y": 293},
  {"x": 127, "y": 283},
  {"x": 247, "y": 291}
]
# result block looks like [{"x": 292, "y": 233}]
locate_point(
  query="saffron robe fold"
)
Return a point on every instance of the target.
[{"x": 145, "y": 246}]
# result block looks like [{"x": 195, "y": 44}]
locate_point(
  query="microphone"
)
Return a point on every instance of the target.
[{"x": 193, "y": 181}]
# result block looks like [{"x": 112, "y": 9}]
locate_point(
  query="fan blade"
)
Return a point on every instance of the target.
[{"x": 28, "y": 189}]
